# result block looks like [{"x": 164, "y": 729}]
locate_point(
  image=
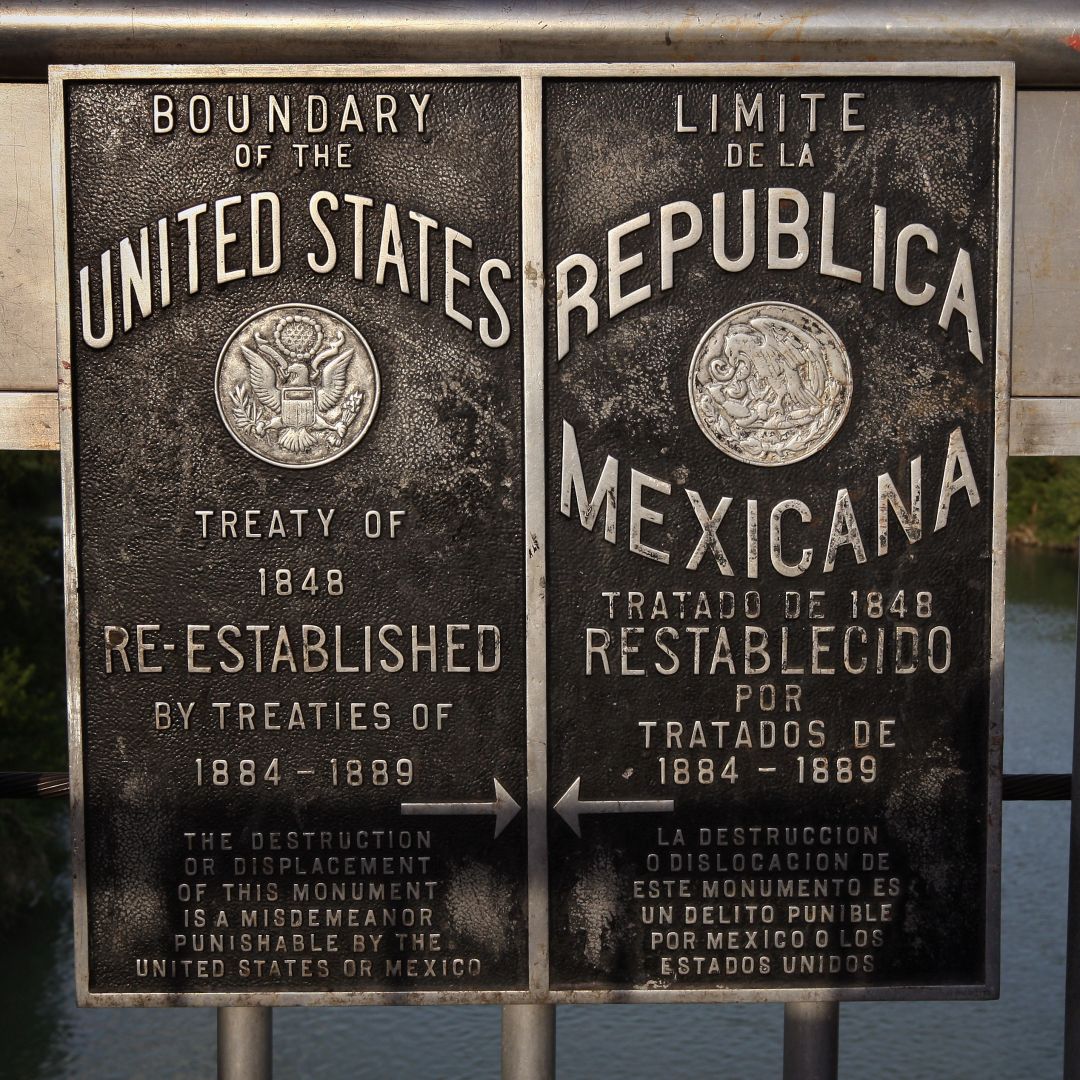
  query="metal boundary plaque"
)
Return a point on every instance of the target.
[
  {"x": 394, "y": 440},
  {"x": 532, "y": 283},
  {"x": 709, "y": 714}
]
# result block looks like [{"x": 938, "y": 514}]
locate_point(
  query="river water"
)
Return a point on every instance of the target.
[{"x": 43, "y": 1035}]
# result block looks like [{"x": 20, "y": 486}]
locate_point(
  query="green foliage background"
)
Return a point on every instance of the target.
[
  {"x": 33, "y": 734},
  {"x": 1044, "y": 501}
]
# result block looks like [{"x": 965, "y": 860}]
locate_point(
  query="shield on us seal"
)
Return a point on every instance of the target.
[{"x": 298, "y": 406}]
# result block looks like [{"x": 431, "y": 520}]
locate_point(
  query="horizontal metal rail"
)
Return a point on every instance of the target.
[
  {"x": 1042, "y": 37},
  {"x": 1017, "y": 787},
  {"x": 1036, "y": 787},
  {"x": 34, "y": 785},
  {"x": 1038, "y": 426}
]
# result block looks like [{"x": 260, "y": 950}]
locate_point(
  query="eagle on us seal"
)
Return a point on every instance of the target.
[{"x": 300, "y": 382}]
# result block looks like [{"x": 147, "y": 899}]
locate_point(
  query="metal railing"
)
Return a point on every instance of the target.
[
  {"x": 1042, "y": 37},
  {"x": 1035, "y": 34}
]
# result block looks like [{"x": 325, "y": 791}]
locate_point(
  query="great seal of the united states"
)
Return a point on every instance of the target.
[{"x": 297, "y": 385}]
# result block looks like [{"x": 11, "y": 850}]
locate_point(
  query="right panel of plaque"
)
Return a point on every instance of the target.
[{"x": 776, "y": 371}]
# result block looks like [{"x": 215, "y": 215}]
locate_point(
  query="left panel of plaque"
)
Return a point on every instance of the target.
[{"x": 295, "y": 461}]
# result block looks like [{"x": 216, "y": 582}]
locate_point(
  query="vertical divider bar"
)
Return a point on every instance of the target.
[
  {"x": 58, "y": 123},
  {"x": 532, "y": 298},
  {"x": 245, "y": 1043},
  {"x": 528, "y": 1031},
  {"x": 536, "y": 607},
  {"x": 1072, "y": 934},
  {"x": 811, "y": 1040}
]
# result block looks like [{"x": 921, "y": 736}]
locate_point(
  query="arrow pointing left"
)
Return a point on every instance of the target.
[
  {"x": 571, "y": 806},
  {"x": 503, "y": 807}
]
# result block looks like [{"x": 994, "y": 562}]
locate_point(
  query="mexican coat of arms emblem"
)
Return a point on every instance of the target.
[{"x": 770, "y": 384}]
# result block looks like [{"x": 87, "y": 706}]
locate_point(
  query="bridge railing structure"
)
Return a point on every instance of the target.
[{"x": 1042, "y": 38}]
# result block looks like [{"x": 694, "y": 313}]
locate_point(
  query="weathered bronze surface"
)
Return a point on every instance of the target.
[
  {"x": 297, "y": 463},
  {"x": 534, "y": 534},
  {"x": 773, "y": 421}
]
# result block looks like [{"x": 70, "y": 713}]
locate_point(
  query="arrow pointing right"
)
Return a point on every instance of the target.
[
  {"x": 504, "y": 808},
  {"x": 571, "y": 806}
]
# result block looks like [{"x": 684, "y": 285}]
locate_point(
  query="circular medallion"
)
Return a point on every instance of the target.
[
  {"x": 297, "y": 385},
  {"x": 770, "y": 384}
]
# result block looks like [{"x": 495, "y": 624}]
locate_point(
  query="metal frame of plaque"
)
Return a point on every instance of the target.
[{"x": 325, "y": 411}]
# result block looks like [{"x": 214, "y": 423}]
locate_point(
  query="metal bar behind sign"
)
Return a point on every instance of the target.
[
  {"x": 1039, "y": 426},
  {"x": 1040, "y": 36},
  {"x": 1016, "y": 787},
  {"x": 811, "y": 1040},
  {"x": 1072, "y": 935},
  {"x": 528, "y": 1042},
  {"x": 244, "y": 1043}
]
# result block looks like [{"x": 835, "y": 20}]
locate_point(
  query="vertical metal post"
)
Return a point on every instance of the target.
[
  {"x": 1072, "y": 934},
  {"x": 811, "y": 1040},
  {"x": 244, "y": 1043},
  {"x": 528, "y": 1042}
]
